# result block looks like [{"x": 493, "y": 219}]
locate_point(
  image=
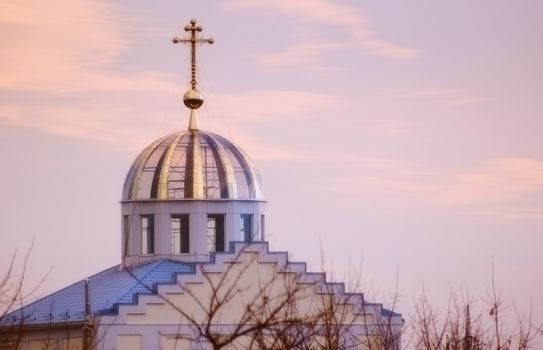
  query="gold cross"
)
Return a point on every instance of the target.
[{"x": 193, "y": 40}]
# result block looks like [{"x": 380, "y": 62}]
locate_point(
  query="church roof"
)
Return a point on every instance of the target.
[
  {"x": 114, "y": 287},
  {"x": 192, "y": 164},
  {"x": 108, "y": 289}
]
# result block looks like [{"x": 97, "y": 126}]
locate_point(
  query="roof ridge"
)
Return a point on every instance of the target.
[
  {"x": 150, "y": 289},
  {"x": 138, "y": 280}
]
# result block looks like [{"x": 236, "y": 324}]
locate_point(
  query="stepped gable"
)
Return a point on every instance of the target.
[{"x": 219, "y": 264}]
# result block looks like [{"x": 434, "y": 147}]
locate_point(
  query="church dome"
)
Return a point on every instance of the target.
[{"x": 192, "y": 164}]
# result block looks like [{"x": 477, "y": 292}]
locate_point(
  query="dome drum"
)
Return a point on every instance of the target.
[
  {"x": 188, "y": 195},
  {"x": 187, "y": 230}
]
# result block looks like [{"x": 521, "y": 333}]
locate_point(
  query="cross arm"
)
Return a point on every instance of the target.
[{"x": 187, "y": 41}]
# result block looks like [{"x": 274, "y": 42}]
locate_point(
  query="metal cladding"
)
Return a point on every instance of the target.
[
  {"x": 110, "y": 288},
  {"x": 192, "y": 164}
]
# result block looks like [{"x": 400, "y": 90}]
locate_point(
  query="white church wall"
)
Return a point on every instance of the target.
[
  {"x": 48, "y": 338},
  {"x": 129, "y": 342},
  {"x": 249, "y": 279}
]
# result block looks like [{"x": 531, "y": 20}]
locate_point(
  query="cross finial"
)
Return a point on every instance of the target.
[
  {"x": 192, "y": 98},
  {"x": 193, "y": 40}
]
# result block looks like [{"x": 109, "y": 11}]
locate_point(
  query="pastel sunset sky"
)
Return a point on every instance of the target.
[{"x": 406, "y": 136}]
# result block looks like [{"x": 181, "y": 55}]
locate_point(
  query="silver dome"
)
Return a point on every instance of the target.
[{"x": 192, "y": 164}]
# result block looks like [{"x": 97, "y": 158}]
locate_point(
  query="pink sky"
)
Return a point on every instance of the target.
[{"x": 412, "y": 134}]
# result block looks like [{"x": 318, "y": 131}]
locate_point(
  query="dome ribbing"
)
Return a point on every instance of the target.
[{"x": 192, "y": 164}]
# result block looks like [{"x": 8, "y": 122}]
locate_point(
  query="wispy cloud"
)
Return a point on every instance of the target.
[
  {"x": 83, "y": 123},
  {"x": 110, "y": 122},
  {"x": 324, "y": 13},
  {"x": 45, "y": 43},
  {"x": 298, "y": 54},
  {"x": 497, "y": 181},
  {"x": 386, "y": 126},
  {"x": 68, "y": 45},
  {"x": 61, "y": 63},
  {"x": 446, "y": 97},
  {"x": 507, "y": 188},
  {"x": 268, "y": 153},
  {"x": 272, "y": 105},
  {"x": 60, "y": 70}
]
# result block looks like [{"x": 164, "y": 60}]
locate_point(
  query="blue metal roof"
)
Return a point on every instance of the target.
[
  {"x": 108, "y": 289},
  {"x": 114, "y": 286}
]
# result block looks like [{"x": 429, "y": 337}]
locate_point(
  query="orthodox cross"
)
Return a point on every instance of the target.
[{"x": 193, "y": 40}]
